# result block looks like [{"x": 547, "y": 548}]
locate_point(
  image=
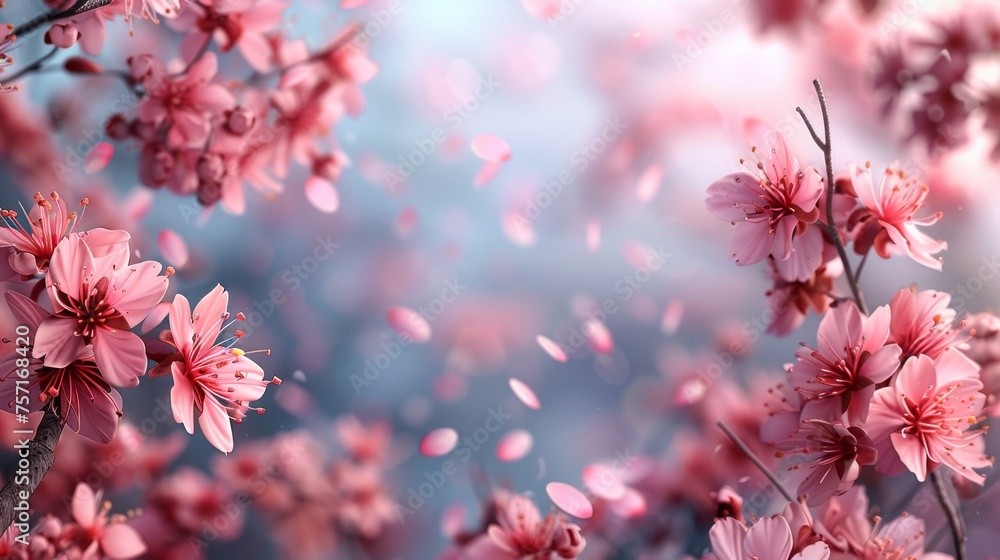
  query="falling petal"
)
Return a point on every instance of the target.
[
  {"x": 439, "y": 442},
  {"x": 519, "y": 229},
  {"x": 172, "y": 247},
  {"x": 593, "y": 236},
  {"x": 514, "y": 445},
  {"x": 542, "y": 9},
  {"x": 570, "y": 500},
  {"x": 322, "y": 195},
  {"x": 350, "y": 4},
  {"x": 156, "y": 316},
  {"x": 598, "y": 336},
  {"x": 551, "y": 348},
  {"x": 491, "y": 148},
  {"x": 406, "y": 222},
  {"x": 409, "y": 323},
  {"x": 98, "y": 157},
  {"x": 649, "y": 183},
  {"x": 672, "y": 316},
  {"x": 295, "y": 400},
  {"x": 486, "y": 173},
  {"x": 524, "y": 394},
  {"x": 603, "y": 482}
]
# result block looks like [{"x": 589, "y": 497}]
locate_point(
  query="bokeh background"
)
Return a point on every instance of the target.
[{"x": 670, "y": 88}]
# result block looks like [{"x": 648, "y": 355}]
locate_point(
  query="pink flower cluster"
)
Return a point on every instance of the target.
[
  {"x": 839, "y": 529},
  {"x": 202, "y": 134},
  {"x": 891, "y": 390},
  {"x": 779, "y": 212},
  {"x": 313, "y": 506},
  {"x": 76, "y": 348},
  {"x": 90, "y": 533},
  {"x": 514, "y": 529},
  {"x": 928, "y": 76}
]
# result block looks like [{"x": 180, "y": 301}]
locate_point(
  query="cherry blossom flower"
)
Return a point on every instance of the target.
[
  {"x": 97, "y": 297},
  {"x": 212, "y": 383},
  {"x": 48, "y": 223},
  {"x": 925, "y": 418},
  {"x": 887, "y": 221},
  {"x": 843, "y": 521},
  {"x": 902, "y": 537},
  {"x": 833, "y": 456},
  {"x": 772, "y": 207},
  {"x": 87, "y": 403},
  {"x": 97, "y": 534},
  {"x": 770, "y": 537},
  {"x": 521, "y": 531},
  {"x": 184, "y": 103},
  {"x": 92, "y": 24},
  {"x": 921, "y": 322},
  {"x": 231, "y": 23},
  {"x": 840, "y": 375}
]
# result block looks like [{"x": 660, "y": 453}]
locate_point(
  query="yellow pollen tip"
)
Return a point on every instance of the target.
[{"x": 238, "y": 352}]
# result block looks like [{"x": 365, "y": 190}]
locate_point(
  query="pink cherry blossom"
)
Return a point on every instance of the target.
[
  {"x": 48, "y": 223},
  {"x": 521, "y": 532},
  {"x": 902, "y": 537},
  {"x": 832, "y": 457},
  {"x": 87, "y": 403},
  {"x": 840, "y": 375},
  {"x": 772, "y": 206},
  {"x": 184, "y": 103},
  {"x": 243, "y": 24},
  {"x": 97, "y": 297},
  {"x": 922, "y": 322},
  {"x": 770, "y": 537},
  {"x": 888, "y": 222},
  {"x": 926, "y": 418},
  {"x": 97, "y": 534},
  {"x": 212, "y": 383}
]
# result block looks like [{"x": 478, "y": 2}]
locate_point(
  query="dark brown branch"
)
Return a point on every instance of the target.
[
  {"x": 756, "y": 461},
  {"x": 831, "y": 228},
  {"x": 41, "y": 455},
  {"x": 951, "y": 512}
]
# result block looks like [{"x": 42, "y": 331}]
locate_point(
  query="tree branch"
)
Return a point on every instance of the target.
[
  {"x": 831, "y": 229},
  {"x": 951, "y": 512},
  {"x": 756, "y": 461},
  {"x": 41, "y": 455}
]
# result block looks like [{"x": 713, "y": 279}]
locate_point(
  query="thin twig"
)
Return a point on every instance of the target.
[
  {"x": 41, "y": 454},
  {"x": 756, "y": 461},
  {"x": 79, "y": 7},
  {"x": 951, "y": 512},
  {"x": 33, "y": 67},
  {"x": 831, "y": 228},
  {"x": 861, "y": 266}
]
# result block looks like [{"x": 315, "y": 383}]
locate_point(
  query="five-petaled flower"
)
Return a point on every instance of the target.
[{"x": 213, "y": 383}]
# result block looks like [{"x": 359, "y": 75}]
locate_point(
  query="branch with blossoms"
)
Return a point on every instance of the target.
[
  {"x": 896, "y": 390},
  {"x": 202, "y": 134},
  {"x": 76, "y": 347}
]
